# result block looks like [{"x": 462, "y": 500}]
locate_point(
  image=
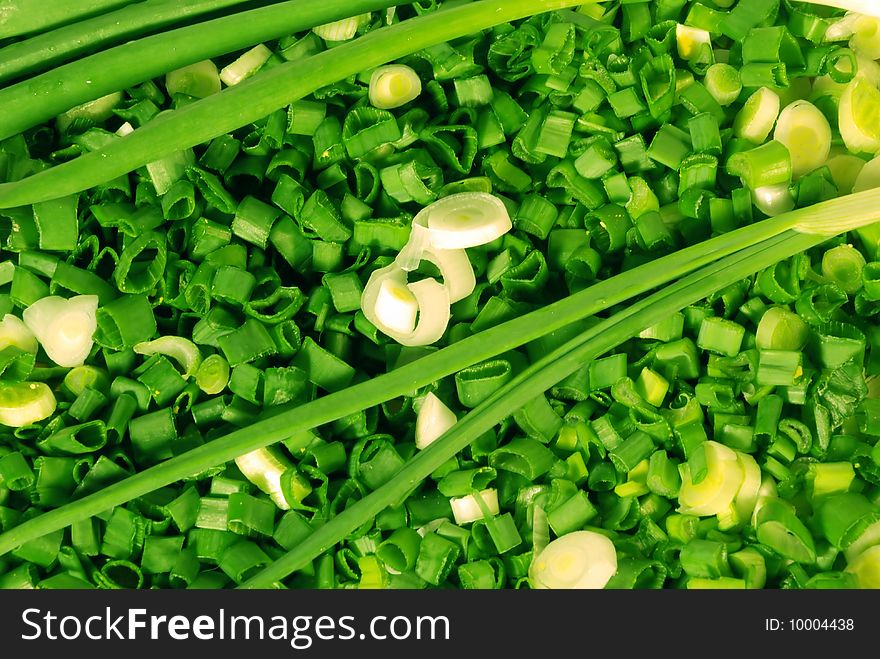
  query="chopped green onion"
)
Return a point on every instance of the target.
[
  {"x": 65, "y": 328},
  {"x": 24, "y": 403},
  {"x": 245, "y": 66},
  {"x": 394, "y": 85},
  {"x": 756, "y": 118},
  {"x": 805, "y": 132},
  {"x": 434, "y": 419},
  {"x": 467, "y": 509},
  {"x": 581, "y": 560},
  {"x": 341, "y": 30}
]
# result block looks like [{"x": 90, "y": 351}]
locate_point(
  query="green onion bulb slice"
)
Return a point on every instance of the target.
[
  {"x": 392, "y": 304},
  {"x": 868, "y": 177},
  {"x": 342, "y": 30},
  {"x": 773, "y": 200},
  {"x": 747, "y": 495},
  {"x": 715, "y": 493},
  {"x": 781, "y": 329},
  {"x": 865, "y": 38},
  {"x": 199, "y": 80},
  {"x": 245, "y": 66},
  {"x": 578, "y": 560},
  {"x": 466, "y": 219},
  {"x": 394, "y": 85},
  {"x": 212, "y": 376},
  {"x": 845, "y": 170},
  {"x": 859, "y": 116},
  {"x": 467, "y": 509},
  {"x": 181, "y": 350},
  {"x": 843, "y": 28},
  {"x": 264, "y": 468},
  {"x": 454, "y": 265},
  {"x": 869, "y": 7},
  {"x": 24, "y": 403},
  {"x": 692, "y": 42},
  {"x": 766, "y": 492},
  {"x": 13, "y": 332},
  {"x": 65, "y": 328},
  {"x": 758, "y": 114},
  {"x": 433, "y": 419},
  {"x": 866, "y": 568},
  {"x": 805, "y": 132}
]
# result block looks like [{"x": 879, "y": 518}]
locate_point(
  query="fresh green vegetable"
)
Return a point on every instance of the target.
[{"x": 512, "y": 317}]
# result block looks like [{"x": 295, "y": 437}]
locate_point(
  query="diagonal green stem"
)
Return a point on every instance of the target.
[
  {"x": 252, "y": 99},
  {"x": 64, "y": 43},
  {"x": 532, "y": 382},
  {"x": 24, "y": 16}
]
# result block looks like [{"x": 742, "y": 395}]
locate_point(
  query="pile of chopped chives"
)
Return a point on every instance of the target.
[{"x": 734, "y": 443}]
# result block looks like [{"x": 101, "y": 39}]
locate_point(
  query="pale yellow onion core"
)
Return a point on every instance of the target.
[
  {"x": 434, "y": 418},
  {"x": 577, "y": 560},
  {"x": 715, "y": 493},
  {"x": 65, "y": 328},
  {"x": 264, "y": 468},
  {"x": 806, "y": 133},
  {"x": 396, "y": 306},
  {"x": 245, "y": 66},
  {"x": 467, "y": 509},
  {"x": 393, "y": 86},
  {"x": 433, "y": 304},
  {"x": 859, "y": 116},
  {"x": 13, "y": 332},
  {"x": 690, "y": 41},
  {"x": 866, "y": 37},
  {"x": 24, "y": 403}
]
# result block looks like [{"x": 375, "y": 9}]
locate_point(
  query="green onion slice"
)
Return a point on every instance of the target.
[
  {"x": 467, "y": 509},
  {"x": 434, "y": 418},
  {"x": 412, "y": 314},
  {"x": 65, "y": 328},
  {"x": 13, "y": 332},
  {"x": 265, "y": 468},
  {"x": 341, "y": 30},
  {"x": 181, "y": 350},
  {"x": 578, "y": 560},
  {"x": 466, "y": 219},
  {"x": 716, "y": 492},
  {"x": 394, "y": 85},
  {"x": 806, "y": 133},
  {"x": 24, "y": 403},
  {"x": 859, "y": 116}
]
